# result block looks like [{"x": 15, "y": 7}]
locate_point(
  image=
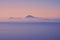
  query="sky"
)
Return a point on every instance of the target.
[{"x": 22, "y": 8}]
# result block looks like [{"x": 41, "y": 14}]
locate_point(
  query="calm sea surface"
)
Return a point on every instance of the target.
[{"x": 29, "y": 31}]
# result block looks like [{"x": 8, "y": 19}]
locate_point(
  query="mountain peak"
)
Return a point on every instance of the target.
[{"x": 30, "y": 16}]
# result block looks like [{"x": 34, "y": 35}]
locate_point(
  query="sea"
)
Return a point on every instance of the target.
[{"x": 29, "y": 31}]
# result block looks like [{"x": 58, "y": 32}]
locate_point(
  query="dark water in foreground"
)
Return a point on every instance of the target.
[{"x": 29, "y": 31}]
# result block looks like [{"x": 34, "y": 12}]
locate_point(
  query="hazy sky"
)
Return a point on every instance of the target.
[{"x": 21, "y": 8}]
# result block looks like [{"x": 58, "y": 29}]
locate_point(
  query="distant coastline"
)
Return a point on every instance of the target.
[{"x": 29, "y": 22}]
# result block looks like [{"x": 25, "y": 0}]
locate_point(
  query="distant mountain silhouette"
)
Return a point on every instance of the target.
[
  {"x": 11, "y": 18},
  {"x": 14, "y": 18},
  {"x": 30, "y": 16}
]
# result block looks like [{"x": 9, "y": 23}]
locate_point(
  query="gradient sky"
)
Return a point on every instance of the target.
[{"x": 38, "y": 8}]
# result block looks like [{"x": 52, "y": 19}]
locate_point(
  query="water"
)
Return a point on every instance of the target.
[{"x": 29, "y": 31}]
